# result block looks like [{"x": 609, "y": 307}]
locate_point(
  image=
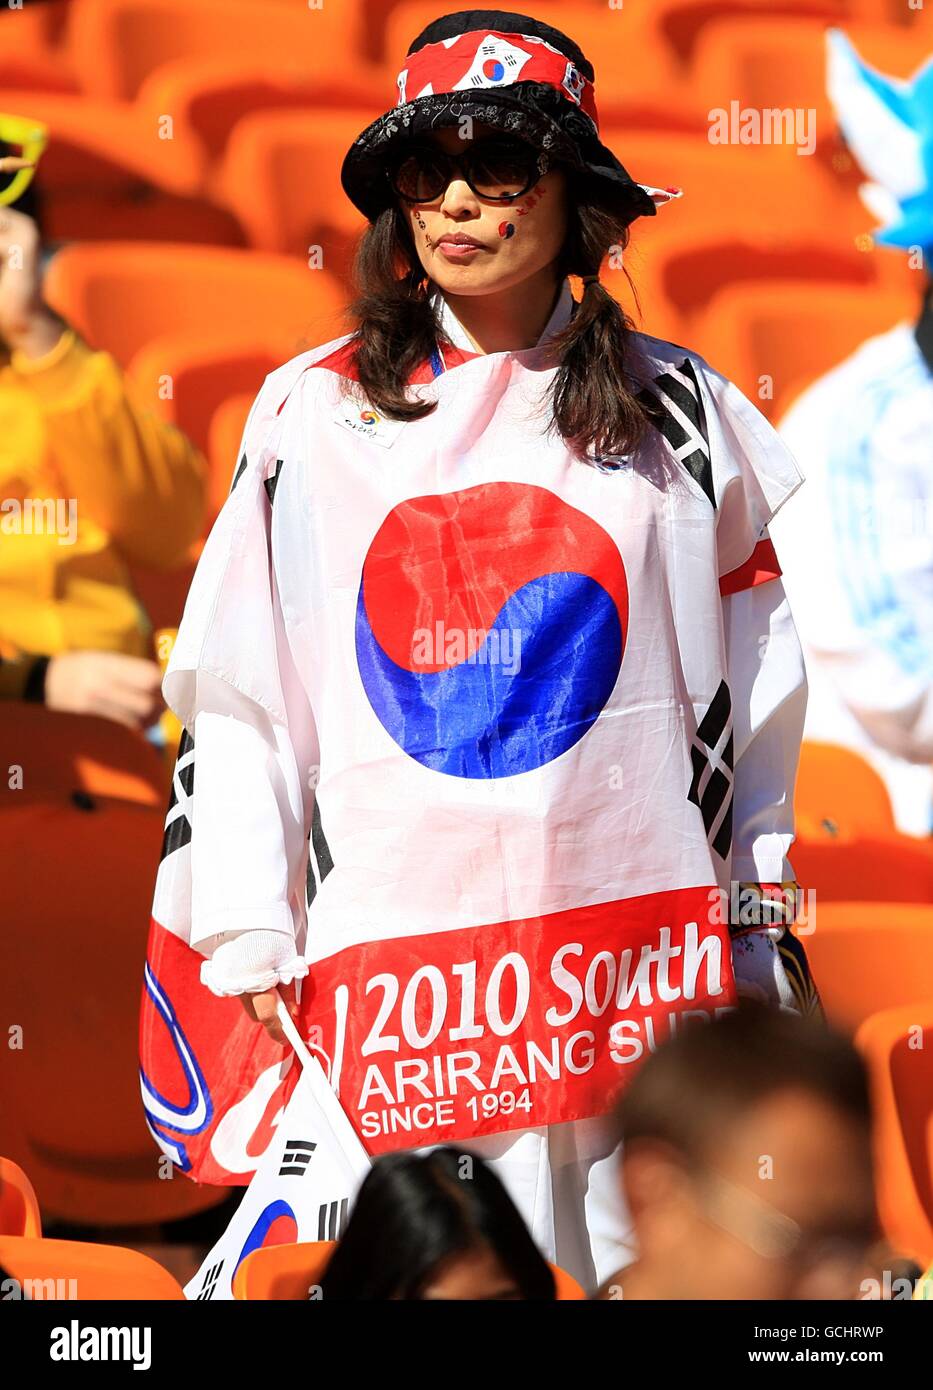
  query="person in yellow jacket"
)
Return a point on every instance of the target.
[{"x": 89, "y": 483}]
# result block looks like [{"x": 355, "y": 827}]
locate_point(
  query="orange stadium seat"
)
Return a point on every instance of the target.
[
  {"x": 79, "y": 847},
  {"x": 709, "y": 177},
  {"x": 107, "y": 175},
  {"x": 682, "y": 23},
  {"x": 868, "y": 956},
  {"x": 792, "y": 332},
  {"x": 780, "y": 63},
  {"x": 78, "y": 1269},
  {"x": 388, "y": 34},
  {"x": 202, "y": 372},
  {"x": 289, "y": 1272},
  {"x": 116, "y": 44},
  {"x": 209, "y": 96},
  {"x": 838, "y": 792},
  {"x": 78, "y": 754},
  {"x": 696, "y": 281},
  {"x": 658, "y": 36},
  {"x": 31, "y": 54},
  {"x": 147, "y": 214},
  {"x": 226, "y": 433},
  {"x": 867, "y": 868},
  {"x": 771, "y": 192},
  {"x": 122, "y": 296},
  {"x": 282, "y": 1272},
  {"x": 185, "y": 377},
  {"x": 917, "y": 18},
  {"x": 19, "y": 1205},
  {"x": 693, "y": 271},
  {"x": 105, "y": 145},
  {"x": 897, "y": 1045},
  {"x": 281, "y": 178}
]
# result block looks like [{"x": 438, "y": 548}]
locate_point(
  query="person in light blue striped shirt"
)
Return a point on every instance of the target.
[{"x": 857, "y": 549}]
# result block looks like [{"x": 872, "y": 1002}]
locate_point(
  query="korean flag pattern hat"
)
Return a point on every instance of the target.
[{"x": 509, "y": 71}]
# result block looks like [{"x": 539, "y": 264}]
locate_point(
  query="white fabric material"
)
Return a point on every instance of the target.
[
  {"x": 245, "y": 879},
  {"x": 769, "y": 686},
  {"x": 250, "y": 961},
  {"x": 857, "y": 554},
  {"x": 415, "y": 853},
  {"x": 768, "y": 682}
]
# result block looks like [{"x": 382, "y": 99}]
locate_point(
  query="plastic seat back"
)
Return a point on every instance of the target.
[
  {"x": 869, "y": 956},
  {"x": 897, "y": 1045},
  {"x": 19, "y": 1205},
  {"x": 116, "y": 44},
  {"x": 839, "y": 793},
  {"x": 123, "y": 295},
  {"x": 865, "y": 869},
  {"x": 77, "y": 1269}
]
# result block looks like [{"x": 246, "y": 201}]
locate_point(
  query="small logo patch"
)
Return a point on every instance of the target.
[{"x": 367, "y": 423}]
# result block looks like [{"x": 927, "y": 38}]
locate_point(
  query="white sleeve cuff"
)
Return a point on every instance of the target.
[
  {"x": 767, "y": 863},
  {"x": 272, "y": 919}
]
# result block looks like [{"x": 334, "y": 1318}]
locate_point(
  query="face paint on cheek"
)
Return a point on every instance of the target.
[
  {"x": 506, "y": 229},
  {"x": 532, "y": 201},
  {"x": 424, "y": 227}
]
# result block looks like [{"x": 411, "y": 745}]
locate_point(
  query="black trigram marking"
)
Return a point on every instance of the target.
[
  {"x": 711, "y": 757},
  {"x": 320, "y": 860},
  {"x": 332, "y": 1220},
  {"x": 240, "y": 470},
  {"x": 178, "y": 816},
  {"x": 270, "y": 483},
  {"x": 296, "y": 1158},
  {"x": 209, "y": 1286},
  {"x": 675, "y": 406}
]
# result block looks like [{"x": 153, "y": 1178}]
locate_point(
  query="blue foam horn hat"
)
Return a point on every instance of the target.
[{"x": 888, "y": 125}]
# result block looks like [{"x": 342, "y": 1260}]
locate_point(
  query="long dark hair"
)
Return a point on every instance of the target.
[
  {"x": 592, "y": 405},
  {"x": 415, "y": 1211}
]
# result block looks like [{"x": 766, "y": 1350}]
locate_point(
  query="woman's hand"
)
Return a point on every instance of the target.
[
  {"x": 109, "y": 684},
  {"x": 263, "y": 1008}
]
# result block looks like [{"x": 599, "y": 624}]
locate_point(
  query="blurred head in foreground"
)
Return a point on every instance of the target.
[
  {"x": 435, "y": 1226},
  {"x": 746, "y": 1163}
]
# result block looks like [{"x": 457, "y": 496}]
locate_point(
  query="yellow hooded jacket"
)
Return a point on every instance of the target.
[{"x": 89, "y": 483}]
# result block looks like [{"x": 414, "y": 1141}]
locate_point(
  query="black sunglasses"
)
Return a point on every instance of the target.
[{"x": 497, "y": 170}]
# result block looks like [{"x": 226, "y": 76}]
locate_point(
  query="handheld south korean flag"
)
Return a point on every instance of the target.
[{"x": 303, "y": 1185}]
